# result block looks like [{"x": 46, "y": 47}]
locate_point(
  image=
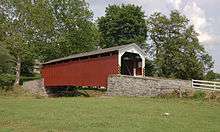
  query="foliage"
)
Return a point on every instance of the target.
[
  {"x": 6, "y": 61},
  {"x": 27, "y": 67},
  {"x": 199, "y": 94},
  {"x": 122, "y": 24},
  {"x": 65, "y": 28},
  {"x": 211, "y": 75},
  {"x": 15, "y": 92},
  {"x": 6, "y": 80},
  {"x": 45, "y": 30},
  {"x": 149, "y": 68},
  {"x": 217, "y": 76},
  {"x": 15, "y": 26},
  {"x": 4, "y": 55},
  {"x": 178, "y": 93},
  {"x": 175, "y": 47}
]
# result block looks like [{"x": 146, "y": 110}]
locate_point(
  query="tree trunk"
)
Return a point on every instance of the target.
[{"x": 18, "y": 71}]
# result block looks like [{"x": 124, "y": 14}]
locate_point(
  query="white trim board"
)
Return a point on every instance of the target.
[{"x": 132, "y": 49}]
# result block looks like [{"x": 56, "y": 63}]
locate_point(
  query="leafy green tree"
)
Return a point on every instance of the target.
[
  {"x": 45, "y": 30},
  {"x": 217, "y": 75},
  {"x": 69, "y": 28},
  {"x": 15, "y": 26},
  {"x": 5, "y": 57},
  {"x": 211, "y": 75},
  {"x": 27, "y": 68},
  {"x": 6, "y": 61},
  {"x": 149, "y": 68},
  {"x": 175, "y": 47},
  {"x": 122, "y": 24}
]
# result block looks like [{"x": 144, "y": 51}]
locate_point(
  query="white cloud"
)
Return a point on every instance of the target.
[
  {"x": 197, "y": 17},
  {"x": 199, "y": 20},
  {"x": 176, "y": 3}
]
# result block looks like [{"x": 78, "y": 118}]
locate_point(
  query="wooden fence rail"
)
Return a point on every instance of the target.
[{"x": 206, "y": 85}]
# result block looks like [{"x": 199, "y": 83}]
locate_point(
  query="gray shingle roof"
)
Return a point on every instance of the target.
[{"x": 100, "y": 51}]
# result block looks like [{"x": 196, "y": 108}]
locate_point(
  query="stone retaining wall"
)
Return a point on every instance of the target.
[
  {"x": 35, "y": 87},
  {"x": 121, "y": 85}
]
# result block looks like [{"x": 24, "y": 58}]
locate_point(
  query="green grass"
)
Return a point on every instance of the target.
[{"x": 108, "y": 114}]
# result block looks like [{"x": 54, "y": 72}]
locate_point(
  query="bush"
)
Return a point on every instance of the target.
[
  {"x": 213, "y": 95},
  {"x": 210, "y": 76},
  {"x": 149, "y": 68},
  {"x": 204, "y": 95},
  {"x": 6, "y": 80},
  {"x": 15, "y": 92},
  {"x": 200, "y": 95}
]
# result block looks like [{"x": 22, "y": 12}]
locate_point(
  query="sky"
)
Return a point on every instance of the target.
[{"x": 203, "y": 14}]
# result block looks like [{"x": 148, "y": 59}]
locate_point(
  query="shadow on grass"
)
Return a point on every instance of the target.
[{"x": 75, "y": 91}]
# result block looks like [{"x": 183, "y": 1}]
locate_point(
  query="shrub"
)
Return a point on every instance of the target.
[
  {"x": 213, "y": 95},
  {"x": 200, "y": 95},
  {"x": 15, "y": 92},
  {"x": 178, "y": 93},
  {"x": 6, "y": 80},
  {"x": 38, "y": 95}
]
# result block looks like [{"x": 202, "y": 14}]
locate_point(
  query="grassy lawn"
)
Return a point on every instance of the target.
[{"x": 108, "y": 114}]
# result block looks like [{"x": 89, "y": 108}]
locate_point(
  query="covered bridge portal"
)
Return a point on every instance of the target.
[{"x": 93, "y": 68}]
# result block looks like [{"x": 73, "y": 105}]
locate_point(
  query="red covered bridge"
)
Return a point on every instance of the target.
[{"x": 93, "y": 68}]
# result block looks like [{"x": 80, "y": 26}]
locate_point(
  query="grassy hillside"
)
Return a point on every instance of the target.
[{"x": 108, "y": 114}]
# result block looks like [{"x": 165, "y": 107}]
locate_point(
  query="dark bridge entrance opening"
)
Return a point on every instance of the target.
[{"x": 131, "y": 64}]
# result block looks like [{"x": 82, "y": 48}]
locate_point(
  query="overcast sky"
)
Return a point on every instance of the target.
[{"x": 204, "y": 14}]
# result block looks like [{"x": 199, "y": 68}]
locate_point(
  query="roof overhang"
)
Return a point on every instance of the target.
[{"x": 133, "y": 48}]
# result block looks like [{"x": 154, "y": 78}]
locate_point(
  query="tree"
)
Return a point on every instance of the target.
[
  {"x": 175, "y": 47},
  {"x": 5, "y": 57},
  {"x": 45, "y": 30},
  {"x": 5, "y": 61},
  {"x": 69, "y": 28},
  {"x": 149, "y": 68},
  {"x": 15, "y": 26},
  {"x": 217, "y": 75},
  {"x": 122, "y": 24},
  {"x": 211, "y": 75},
  {"x": 27, "y": 68}
]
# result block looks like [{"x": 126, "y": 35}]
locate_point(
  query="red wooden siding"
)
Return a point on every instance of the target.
[{"x": 87, "y": 72}]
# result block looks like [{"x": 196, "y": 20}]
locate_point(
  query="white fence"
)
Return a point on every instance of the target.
[{"x": 206, "y": 85}]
